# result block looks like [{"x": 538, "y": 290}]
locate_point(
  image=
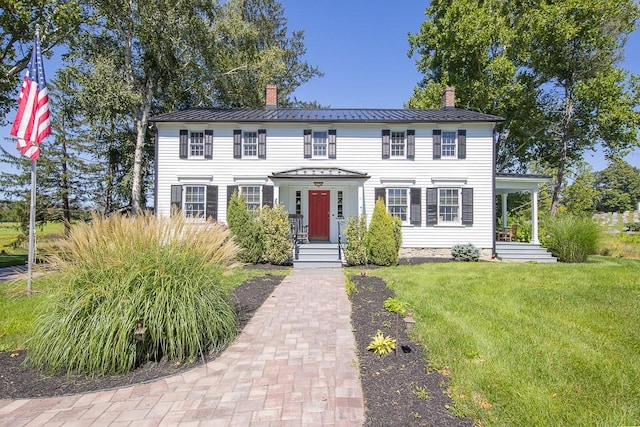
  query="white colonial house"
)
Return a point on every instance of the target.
[{"x": 433, "y": 168}]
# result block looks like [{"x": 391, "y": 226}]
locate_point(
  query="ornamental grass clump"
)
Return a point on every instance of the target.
[
  {"x": 165, "y": 273},
  {"x": 572, "y": 238}
]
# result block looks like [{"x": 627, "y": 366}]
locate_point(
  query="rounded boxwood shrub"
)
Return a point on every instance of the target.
[{"x": 166, "y": 274}]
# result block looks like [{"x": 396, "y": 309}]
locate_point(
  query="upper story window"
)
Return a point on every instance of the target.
[
  {"x": 196, "y": 144},
  {"x": 250, "y": 144},
  {"x": 320, "y": 144},
  {"x": 251, "y": 194},
  {"x": 398, "y": 202},
  {"x": 398, "y": 144},
  {"x": 194, "y": 201},
  {"x": 449, "y": 144}
]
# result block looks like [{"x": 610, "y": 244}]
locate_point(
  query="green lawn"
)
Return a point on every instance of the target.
[
  {"x": 531, "y": 344},
  {"x": 12, "y": 254}
]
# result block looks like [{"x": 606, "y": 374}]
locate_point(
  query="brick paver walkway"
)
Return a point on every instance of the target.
[{"x": 293, "y": 365}]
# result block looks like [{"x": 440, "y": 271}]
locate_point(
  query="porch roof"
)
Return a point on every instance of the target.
[
  {"x": 315, "y": 173},
  {"x": 516, "y": 182}
]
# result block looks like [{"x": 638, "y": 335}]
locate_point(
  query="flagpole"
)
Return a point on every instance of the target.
[{"x": 32, "y": 229}]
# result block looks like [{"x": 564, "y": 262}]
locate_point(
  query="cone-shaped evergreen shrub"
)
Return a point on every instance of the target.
[
  {"x": 246, "y": 230},
  {"x": 355, "y": 251},
  {"x": 276, "y": 227},
  {"x": 165, "y": 273},
  {"x": 382, "y": 239}
]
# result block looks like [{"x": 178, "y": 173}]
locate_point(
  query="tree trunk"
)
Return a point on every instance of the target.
[{"x": 141, "y": 129}]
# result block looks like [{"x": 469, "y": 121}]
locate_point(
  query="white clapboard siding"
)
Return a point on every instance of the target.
[{"x": 359, "y": 148}]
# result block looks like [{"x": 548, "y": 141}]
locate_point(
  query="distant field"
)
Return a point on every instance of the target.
[{"x": 13, "y": 249}]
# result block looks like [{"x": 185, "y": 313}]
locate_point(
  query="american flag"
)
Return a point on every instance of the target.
[{"x": 32, "y": 124}]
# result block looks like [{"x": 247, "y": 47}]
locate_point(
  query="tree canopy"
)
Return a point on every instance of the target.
[{"x": 550, "y": 68}]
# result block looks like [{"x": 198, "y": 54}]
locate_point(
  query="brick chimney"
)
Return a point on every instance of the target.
[
  {"x": 272, "y": 96},
  {"x": 449, "y": 97}
]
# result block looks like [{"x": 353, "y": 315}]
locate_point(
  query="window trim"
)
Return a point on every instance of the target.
[
  {"x": 187, "y": 211},
  {"x": 407, "y": 205},
  {"x": 404, "y": 144},
  {"x": 443, "y": 222},
  {"x": 260, "y": 195},
  {"x": 244, "y": 143},
  {"x": 313, "y": 144},
  {"x": 190, "y": 144},
  {"x": 455, "y": 145}
]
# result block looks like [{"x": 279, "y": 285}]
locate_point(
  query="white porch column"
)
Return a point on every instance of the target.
[
  {"x": 534, "y": 217},
  {"x": 504, "y": 210},
  {"x": 276, "y": 193},
  {"x": 361, "y": 199}
]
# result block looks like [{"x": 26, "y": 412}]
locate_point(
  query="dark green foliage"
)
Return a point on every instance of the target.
[
  {"x": 381, "y": 239},
  {"x": 275, "y": 225},
  {"x": 633, "y": 226},
  {"x": 355, "y": 251},
  {"x": 246, "y": 230},
  {"x": 571, "y": 238},
  {"x": 466, "y": 252},
  {"x": 619, "y": 187}
]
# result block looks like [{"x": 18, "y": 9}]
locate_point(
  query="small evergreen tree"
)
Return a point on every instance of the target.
[
  {"x": 275, "y": 225},
  {"x": 246, "y": 230},
  {"x": 356, "y": 252},
  {"x": 381, "y": 239}
]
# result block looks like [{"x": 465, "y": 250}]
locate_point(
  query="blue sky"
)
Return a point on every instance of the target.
[{"x": 361, "y": 47}]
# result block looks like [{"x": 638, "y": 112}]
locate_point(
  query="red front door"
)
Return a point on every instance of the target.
[{"x": 318, "y": 215}]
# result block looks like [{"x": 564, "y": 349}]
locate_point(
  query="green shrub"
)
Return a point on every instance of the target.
[
  {"x": 165, "y": 273},
  {"x": 633, "y": 226},
  {"x": 381, "y": 239},
  {"x": 571, "y": 238},
  {"x": 381, "y": 344},
  {"x": 394, "y": 305},
  {"x": 466, "y": 252},
  {"x": 246, "y": 230},
  {"x": 276, "y": 228},
  {"x": 355, "y": 251}
]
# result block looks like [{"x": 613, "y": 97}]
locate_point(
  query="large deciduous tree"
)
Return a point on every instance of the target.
[
  {"x": 618, "y": 186},
  {"x": 148, "y": 56},
  {"x": 550, "y": 68}
]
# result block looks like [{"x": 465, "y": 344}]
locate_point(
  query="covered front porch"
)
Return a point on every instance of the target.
[
  {"x": 508, "y": 245},
  {"x": 324, "y": 198}
]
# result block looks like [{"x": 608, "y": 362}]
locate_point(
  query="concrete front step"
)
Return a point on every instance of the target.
[
  {"x": 317, "y": 255},
  {"x": 523, "y": 252}
]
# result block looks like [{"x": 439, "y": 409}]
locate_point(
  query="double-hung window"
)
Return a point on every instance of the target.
[
  {"x": 194, "y": 201},
  {"x": 319, "y": 144},
  {"x": 251, "y": 195},
  {"x": 250, "y": 144},
  {"x": 196, "y": 144},
  {"x": 449, "y": 205},
  {"x": 448, "y": 144},
  {"x": 397, "y": 144},
  {"x": 398, "y": 202}
]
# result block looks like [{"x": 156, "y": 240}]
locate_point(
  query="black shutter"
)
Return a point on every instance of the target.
[
  {"x": 386, "y": 143},
  {"x": 176, "y": 197},
  {"x": 411, "y": 144},
  {"x": 432, "y": 206},
  {"x": 184, "y": 143},
  {"x": 381, "y": 193},
  {"x": 416, "y": 204},
  {"x": 212, "y": 202},
  {"x": 237, "y": 144},
  {"x": 467, "y": 206},
  {"x": 230, "y": 190},
  {"x": 267, "y": 195},
  {"x": 262, "y": 143},
  {"x": 437, "y": 144},
  {"x": 208, "y": 144},
  {"x": 462, "y": 143},
  {"x": 332, "y": 143},
  {"x": 307, "y": 143}
]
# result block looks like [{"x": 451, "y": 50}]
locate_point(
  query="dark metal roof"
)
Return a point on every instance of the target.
[
  {"x": 315, "y": 173},
  {"x": 521, "y": 175},
  {"x": 350, "y": 115}
]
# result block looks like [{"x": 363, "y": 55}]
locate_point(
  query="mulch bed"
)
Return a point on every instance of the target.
[{"x": 398, "y": 389}]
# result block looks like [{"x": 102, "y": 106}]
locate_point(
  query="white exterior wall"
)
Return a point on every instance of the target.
[{"x": 359, "y": 148}]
